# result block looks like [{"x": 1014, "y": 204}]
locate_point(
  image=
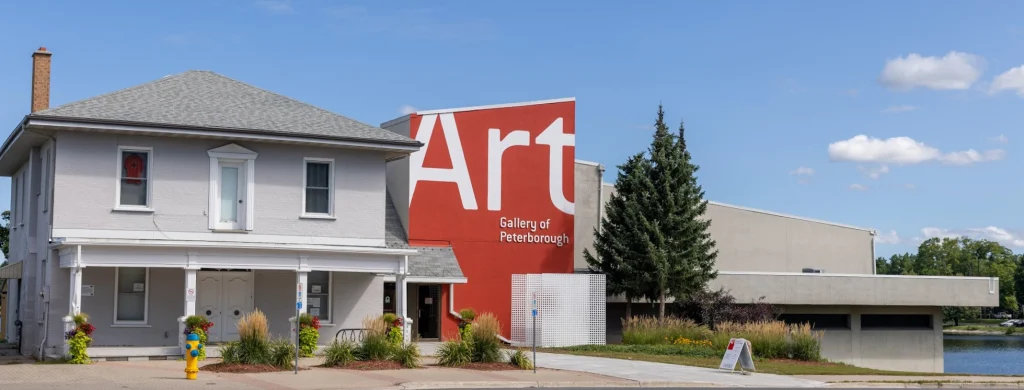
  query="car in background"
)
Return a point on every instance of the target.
[
  {"x": 1012, "y": 323},
  {"x": 1005, "y": 316}
]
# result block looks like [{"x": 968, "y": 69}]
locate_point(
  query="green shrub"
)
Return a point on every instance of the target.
[
  {"x": 1010, "y": 331},
  {"x": 408, "y": 356},
  {"x": 455, "y": 353},
  {"x": 339, "y": 353},
  {"x": 395, "y": 336},
  {"x": 77, "y": 345},
  {"x": 199, "y": 325},
  {"x": 281, "y": 354},
  {"x": 466, "y": 332},
  {"x": 519, "y": 359},
  {"x": 467, "y": 314},
  {"x": 389, "y": 318},
  {"x": 307, "y": 341},
  {"x": 486, "y": 344}
]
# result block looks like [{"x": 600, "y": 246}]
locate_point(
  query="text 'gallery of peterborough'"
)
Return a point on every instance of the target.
[{"x": 226, "y": 195}]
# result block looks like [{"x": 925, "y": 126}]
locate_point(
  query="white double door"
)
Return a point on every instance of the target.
[{"x": 224, "y": 297}]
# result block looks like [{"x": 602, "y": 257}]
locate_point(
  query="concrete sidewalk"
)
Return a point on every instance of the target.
[{"x": 170, "y": 375}]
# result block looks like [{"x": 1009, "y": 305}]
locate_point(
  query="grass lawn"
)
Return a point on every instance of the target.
[
  {"x": 980, "y": 328},
  {"x": 774, "y": 366}
]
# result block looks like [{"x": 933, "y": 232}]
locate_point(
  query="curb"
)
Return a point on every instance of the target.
[
  {"x": 541, "y": 384},
  {"x": 929, "y": 385}
]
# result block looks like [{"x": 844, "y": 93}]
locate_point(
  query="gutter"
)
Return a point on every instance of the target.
[
  {"x": 874, "y": 263},
  {"x": 451, "y": 310},
  {"x": 600, "y": 196},
  {"x": 71, "y": 121}
]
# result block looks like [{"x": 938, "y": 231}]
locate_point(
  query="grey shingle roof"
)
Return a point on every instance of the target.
[
  {"x": 437, "y": 262},
  {"x": 206, "y": 100}
]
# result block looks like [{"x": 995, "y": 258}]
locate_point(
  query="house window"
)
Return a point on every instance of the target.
[
  {"x": 232, "y": 175},
  {"x": 318, "y": 295},
  {"x": 134, "y": 180},
  {"x": 318, "y": 184},
  {"x": 131, "y": 297}
]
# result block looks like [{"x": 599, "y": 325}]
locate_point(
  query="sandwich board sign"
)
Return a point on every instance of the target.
[{"x": 738, "y": 351}]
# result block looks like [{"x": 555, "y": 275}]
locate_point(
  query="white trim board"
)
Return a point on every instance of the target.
[
  {"x": 216, "y": 237},
  {"x": 232, "y": 245},
  {"x": 826, "y": 275},
  {"x": 54, "y": 123},
  {"x": 427, "y": 279}
]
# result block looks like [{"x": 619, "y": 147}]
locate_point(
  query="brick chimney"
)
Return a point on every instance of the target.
[{"x": 41, "y": 79}]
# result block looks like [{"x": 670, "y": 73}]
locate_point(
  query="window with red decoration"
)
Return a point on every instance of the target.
[{"x": 133, "y": 185}]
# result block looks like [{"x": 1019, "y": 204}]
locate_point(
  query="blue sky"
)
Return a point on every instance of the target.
[{"x": 770, "y": 91}]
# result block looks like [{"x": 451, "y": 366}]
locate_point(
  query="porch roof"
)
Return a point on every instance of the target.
[
  {"x": 432, "y": 263},
  {"x": 11, "y": 271}
]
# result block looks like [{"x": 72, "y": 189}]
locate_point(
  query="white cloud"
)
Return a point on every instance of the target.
[
  {"x": 956, "y": 70},
  {"x": 802, "y": 171},
  {"x": 897, "y": 150},
  {"x": 891, "y": 238},
  {"x": 276, "y": 6},
  {"x": 1000, "y": 139},
  {"x": 992, "y": 233},
  {"x": 909, "y": 186},
  {"x": 858, "y": 187},
  {"x": 903, "y": 150},
  {"x": 1012, "y": 79},
  {"x": 971, "y": 156},
  {"x": 932, "y": 232},
  {"x": 407, "y": 109},
  {"x": 874, "y": 173},
  {"x": 903, "y": 108}
]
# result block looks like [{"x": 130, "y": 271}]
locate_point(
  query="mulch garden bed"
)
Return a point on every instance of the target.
[
  {"x": 372, "y": 365},
  {"x": 239, "y": 368},
  {"x": 490, "y": 367}
]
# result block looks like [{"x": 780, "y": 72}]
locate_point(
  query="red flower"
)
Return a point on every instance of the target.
[{"x": 87, "y": 328}]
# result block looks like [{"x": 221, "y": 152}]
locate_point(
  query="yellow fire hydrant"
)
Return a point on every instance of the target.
[{"x": 192, "y": 347}]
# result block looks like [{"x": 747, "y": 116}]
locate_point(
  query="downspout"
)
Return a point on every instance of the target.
[
  {"x": 600, "y": 195},
  {"x": 874, "y": 263},
  {"x": 451, "y": 310}
]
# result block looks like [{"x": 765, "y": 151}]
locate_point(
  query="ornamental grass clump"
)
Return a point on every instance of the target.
[
  {"x": 376, "y": 345},
  {"x": 339, "y": 353},
  {"x": 650, "y": 330},
  {"x": 254, "y": 346},
  {"x": 486, "y": 344},
  {"x": 769, "y": 339}
]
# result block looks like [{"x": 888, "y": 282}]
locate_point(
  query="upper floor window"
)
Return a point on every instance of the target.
[
  {"x": 318, "y": 186},
  {"x": 134, "y": 184},
  {"x": 232, "y": 176}
]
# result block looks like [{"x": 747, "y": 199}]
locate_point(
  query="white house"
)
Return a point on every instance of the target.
[{"x": 194, "y": 194}]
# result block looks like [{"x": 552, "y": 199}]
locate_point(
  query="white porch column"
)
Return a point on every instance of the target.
[
  {"x": 74, "y": 297},
  {"x": 402, "y": 298},
  {"x": 190, "y": 304}
]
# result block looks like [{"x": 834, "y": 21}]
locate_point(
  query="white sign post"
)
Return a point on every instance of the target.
[
  {"x": 534, "y": 313},
  {"x": 298, "y": 305},
  {"x": 738, "y": 350}
]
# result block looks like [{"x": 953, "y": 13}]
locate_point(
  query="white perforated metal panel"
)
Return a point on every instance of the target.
[{"x": 570, "y": 309}]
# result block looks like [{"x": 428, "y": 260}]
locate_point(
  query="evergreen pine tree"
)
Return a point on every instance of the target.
[
  {"x": 683, "y": 253},
  {"x": 620, "y": 245}
]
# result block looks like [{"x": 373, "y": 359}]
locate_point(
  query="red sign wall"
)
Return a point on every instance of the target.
[{"x": 497, "y": 185}]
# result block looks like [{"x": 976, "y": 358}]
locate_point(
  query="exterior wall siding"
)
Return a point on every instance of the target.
[
  {"x": 87, "y": 167},
  {"x": 354, "y": 297},
  {"x": 754, "y": 241},
  {"x": 589, "y": 206}
]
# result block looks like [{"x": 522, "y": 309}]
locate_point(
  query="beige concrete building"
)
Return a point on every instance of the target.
[{"x": 818, "y": 272}]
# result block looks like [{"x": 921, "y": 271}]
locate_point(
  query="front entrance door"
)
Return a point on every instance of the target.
[
  {"x": 429, "y": 310},
  {"x": 223, "y": 297}
]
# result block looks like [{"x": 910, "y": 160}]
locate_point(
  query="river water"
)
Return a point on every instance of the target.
[{"x": 998, "y": 355}]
